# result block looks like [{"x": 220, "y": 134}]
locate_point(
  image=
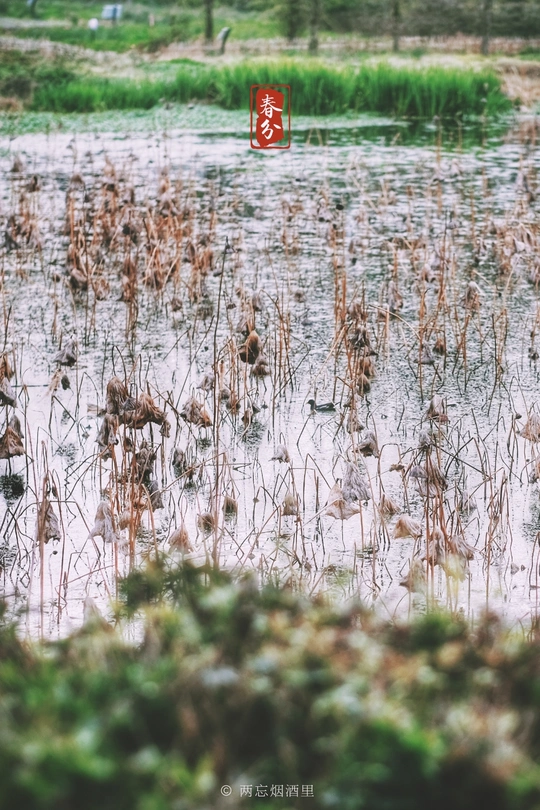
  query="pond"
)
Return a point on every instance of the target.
[{"x": 388, "y": 271}]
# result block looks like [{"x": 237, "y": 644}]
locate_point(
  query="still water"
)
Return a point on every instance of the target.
[{"x": 215, "y": 239}]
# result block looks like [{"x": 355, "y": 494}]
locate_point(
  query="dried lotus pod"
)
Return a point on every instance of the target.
[
  {"x": 230, "y": 506},
  {"x": 145, "y": 411},
  {"x": 415, "y": 578},
  {"x": 107, "y": 432},
  {"x": 251, "y": 349},
  {"x": 436, "y": 409},
  {"x": 455, "y": 566},
  {"x": 435, "y": 548},
  {"x": 429, "y": 481},
  {"x": 357, "y": 311},
  {"x": 7, "y": 394},
  {"x": 363, "y": 385},
  {"x": 338, "y": 507},
  {"x": 290, "y": 505},
  {"x": 124, "y": 518},
  {"x": 184, "y": 463},
  {"x": 48, "y": 525},
  {"x": 439, "y": 347},
  {"x": 471, "y": 299},
  {"x": 156, "y": 500},
  {"x": 179, "y": 539},
  {"x": 207, "y": 382},
  {"x": 531, "y": 431},
  {"x": 11, "y": 444},
  {"x": 467, "y": 502},
  {"x": 15, "y": 424},
  {"x": 368, "y": 446},
  {"x": 117, "y": 394},
  {"x": 144, "y": 460},
  {"x": 104, "y": 524},
  {"x": 394, "y": 299},
  {"x": 459, "y": 546},
  {"x": 206, "y": 522},
  {"x": 195, "y": 413},
  {"x": 353, "y": 423},
  {"x": 179, "y": 459},
  {"x": 282, "y": 454},
  {"x": 366, "y": 366},
  {"x": 260, "y": 367},
  {"x": 17, "y": 166},
  {"x": 68, "y": 355},
  {"x": 406, "y": 526},
  {"x": 5, "y": 367},
  {"x": 387, "y": 507},
  {"x": 355, "y": 486},
  {"x": 78, "y": 279}
]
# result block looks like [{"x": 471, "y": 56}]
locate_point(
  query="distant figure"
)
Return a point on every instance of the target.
[
  {"x": 151, "y": 20},
  {"x": 112, "y": 12},
  {"x": 222, "y": 38},
  {"x": 93, "y": 25}
]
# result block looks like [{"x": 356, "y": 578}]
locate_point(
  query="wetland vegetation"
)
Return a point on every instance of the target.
[
  {"x": 232, "y": 685},
  {"x": 59, "y": 85},
  {"x": 269, "y": 435}
]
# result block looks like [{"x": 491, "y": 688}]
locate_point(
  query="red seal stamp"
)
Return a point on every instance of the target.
[{"x": 270, "y": 116}]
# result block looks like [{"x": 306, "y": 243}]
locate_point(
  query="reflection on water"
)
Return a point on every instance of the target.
[{"x": 400, "y": 219}]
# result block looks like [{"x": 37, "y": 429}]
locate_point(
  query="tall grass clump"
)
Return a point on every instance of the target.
[
  {"x": 428, "y": 92},
  {"x": 316, "y": 88},
  {"x": 319, "y": 89},
  {"x": 96, "y": 94}
]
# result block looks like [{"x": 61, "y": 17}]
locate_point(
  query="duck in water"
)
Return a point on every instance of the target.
[{"x": 326, "y": 407}]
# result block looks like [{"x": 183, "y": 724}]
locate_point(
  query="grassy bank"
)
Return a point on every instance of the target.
[
  {"x": 118, "y": 38},
  {"x": 172, "y": 24},
  {"x": 317, "y": 89},
  {"x": 231, "y": 685},
  {"x": 22, "y": 73}
]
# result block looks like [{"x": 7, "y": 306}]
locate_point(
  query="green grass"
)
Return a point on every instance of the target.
[
  {"x": 316, "y": 89},
  {"x": 172, "y": 24},
  {"x": 22, "y": 73},
  {"x": 118, "y": 38},
  {"x": 530, "y": 53},
  {"x": 233, "y": 685}
]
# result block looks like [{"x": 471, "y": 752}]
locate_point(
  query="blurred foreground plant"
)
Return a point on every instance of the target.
[{"x": 230, "y": 684}]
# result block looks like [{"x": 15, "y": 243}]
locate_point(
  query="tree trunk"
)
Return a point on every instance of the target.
[
  {"x": 314, "y": 22},
  {"x": 396, "y": 24},
  {"x": 487, "y": 9},
  {"x": 209, "y": 20},
  {"x": 33, "y": 4}
]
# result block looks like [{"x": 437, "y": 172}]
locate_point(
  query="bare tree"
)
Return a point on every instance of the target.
[
  {"x": 314, "y": 22},
  {"x": 396, "y": 24},
  {"x": 209, "y": 20},
  {"x": 487, "y": 10}
]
